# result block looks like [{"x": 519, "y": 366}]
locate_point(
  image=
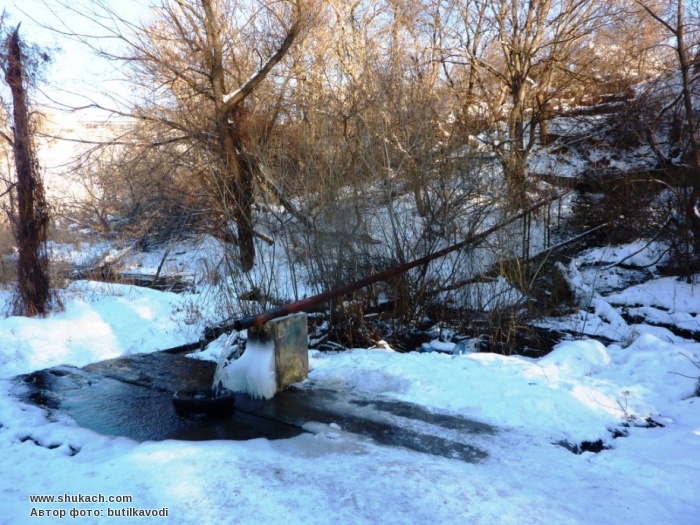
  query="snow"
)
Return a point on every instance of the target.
[
  {"x": 234, "y": 93},
  {"x": 583, "y": 390},
  {"x": 100, "y": 321},
  {"x": 667, "y": 293},
  {"x": 638, "y": 253},
  {"x": 442, "y": 346},
  {"x": 571, "y": 394},
  {"x": 613, "y": 310}
]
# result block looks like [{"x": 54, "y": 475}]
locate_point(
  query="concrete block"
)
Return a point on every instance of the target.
[{"x": 290, "y": 337}]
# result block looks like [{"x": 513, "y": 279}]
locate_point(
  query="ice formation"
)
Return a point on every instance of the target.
[{"x": 254, "y": 372}]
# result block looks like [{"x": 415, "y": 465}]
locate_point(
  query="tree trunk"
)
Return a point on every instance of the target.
[
  {"x": 239, "y": 184},
  {"x": 687, "y": 88},
  {"x": 543, "y": 120},
  {"x": 418, "y": 185},
  {"x": 515, "y": 172},
  {"x": 31, "y": 218},
  {"x": 228, "y": 114},
  {"x": 514, "y": 154},
  {"x": 685, "y": 65}
]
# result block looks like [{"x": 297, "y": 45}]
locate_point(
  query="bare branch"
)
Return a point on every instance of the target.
[
  {"x": 235, "y": 98},
  {"x": 656, "y": 16},
  {"x": 7, "y": 138}
]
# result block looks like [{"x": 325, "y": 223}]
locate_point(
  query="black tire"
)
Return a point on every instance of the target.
[{"x": 202, "y": 401}]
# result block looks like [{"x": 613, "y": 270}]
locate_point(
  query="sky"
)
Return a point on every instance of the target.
[{"x": 76, "y": 74}]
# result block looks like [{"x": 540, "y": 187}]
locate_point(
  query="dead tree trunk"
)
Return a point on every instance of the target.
[{"x": 30, "y": 218}]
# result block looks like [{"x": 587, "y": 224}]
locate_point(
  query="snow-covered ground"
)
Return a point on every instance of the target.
[{"x": 639, "y": 388}]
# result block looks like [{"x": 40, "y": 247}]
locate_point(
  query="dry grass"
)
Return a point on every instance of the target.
[{"x": 8, "y": 264}]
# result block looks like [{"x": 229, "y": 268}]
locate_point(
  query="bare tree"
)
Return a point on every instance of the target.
[
  {"x": 228, "y": 109},
  {"x": 513, "y": 59},
  {"x": 198, "y": 67},
  {"x": 680, "y": 21},
  {"x": 673, "y": 19}
]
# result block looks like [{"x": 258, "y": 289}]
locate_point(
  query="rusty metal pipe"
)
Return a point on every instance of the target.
[{"x": 261, "y": 318}]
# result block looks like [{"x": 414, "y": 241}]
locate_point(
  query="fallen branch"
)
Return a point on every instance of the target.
[{"x": 103, "y": 268}]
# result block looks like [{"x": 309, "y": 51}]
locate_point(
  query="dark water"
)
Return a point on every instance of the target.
[{"x": 132, "y": 397}]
